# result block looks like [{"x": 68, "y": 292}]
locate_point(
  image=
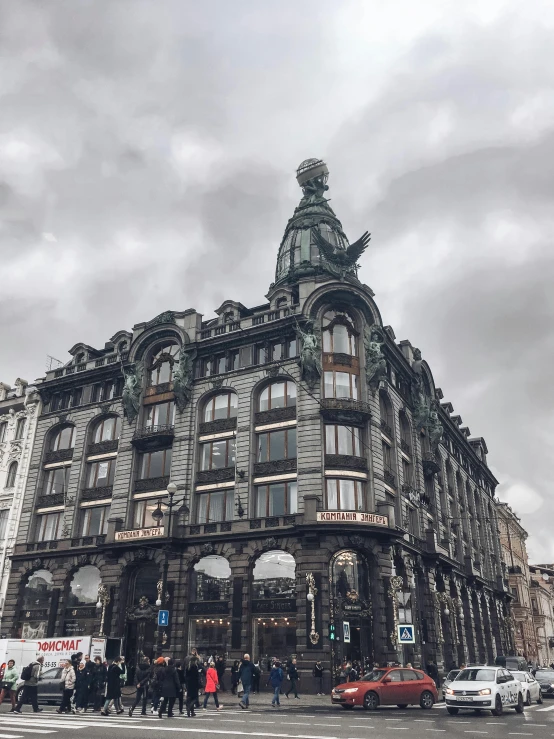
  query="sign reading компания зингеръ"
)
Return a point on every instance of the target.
[
  {"x": 373, "y": 519},
  {"x": 139, "y": 533}
]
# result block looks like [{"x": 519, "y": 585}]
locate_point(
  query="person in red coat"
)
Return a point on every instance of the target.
[{"x": 211, "y": 686}]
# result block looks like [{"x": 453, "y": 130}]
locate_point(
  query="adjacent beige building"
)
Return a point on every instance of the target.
[{"x": 542, "y": 609}]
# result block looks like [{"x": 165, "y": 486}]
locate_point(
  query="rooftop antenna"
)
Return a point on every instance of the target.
[{"x": 52, "y": 363}]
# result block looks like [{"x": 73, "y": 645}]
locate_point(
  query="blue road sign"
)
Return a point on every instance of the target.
[
  {"x": 163, "y": 618},
  {"x": 406, "y": 634}
]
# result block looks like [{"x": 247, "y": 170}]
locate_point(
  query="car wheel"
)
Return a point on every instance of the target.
[
  {"x": 520, "y": 707},
  {"x": 528, "y": 698},
  {"x": 371, "y": 701},
  {"x": 539, "y": 699},
  {"x": 346, "y": 707},
  {"x": 452, "y": 711},
  {"x": 497, "y": 710},
  {"x": 402, "y": 705},
  {"x": 426, "y": 700}
]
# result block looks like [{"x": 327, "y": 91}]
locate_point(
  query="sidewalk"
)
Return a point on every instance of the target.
[{"x": 264, "y": 699}]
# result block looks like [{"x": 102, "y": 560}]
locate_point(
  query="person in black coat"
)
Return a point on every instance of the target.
[
  {"x": 82, "y": 688},
  {"x": 113, "y": 688},
  {"x": 192, "y": 677},
  {"x": 182, "y": 681},
  {"x": 220, "y": 669},
  {"x": 143, "y": 676},
  {"x": 170, "y": 688},
  {"x": 99, "y": 678}
]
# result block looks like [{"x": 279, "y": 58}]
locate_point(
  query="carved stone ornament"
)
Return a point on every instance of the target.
[
  {"x": 207, "y": 549},
  {"x": 183, "y": 374},
  {"x": 141, "y": 554},
  {"x": 167, "y": 316},
  {"x": 218, "y": 383},
  {"x": 132, "y": 390},
  {"x": 376, "y": 365},
  {"x": 104, "y": 407},
  {"x": 273, "y": 371},
  {"x": 143, "y": 611},
  {"x": 83, "y": 560},
  {"x": 310, "y": 353},
  {"x": 357, "y": 541},
  {"x": 270, "y": 542},
  {"x": 15, "y": 451},
  {"x": 62, "y": 417},
  {"x": 37, "y": 564}
]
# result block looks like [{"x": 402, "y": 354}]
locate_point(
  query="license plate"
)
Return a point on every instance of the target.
[{"x": 465, "y": 698}]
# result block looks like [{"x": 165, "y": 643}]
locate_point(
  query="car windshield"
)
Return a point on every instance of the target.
[
  {"x": 452, "y": 674},
  {"x": 477, "y": 674},
  {"x": 373, "y": 676},
  {"x": 521, "y": 676},
  {"x": 544, "y": 675}
]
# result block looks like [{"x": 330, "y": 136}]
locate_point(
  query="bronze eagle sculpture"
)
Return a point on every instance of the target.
[{"x": 344, "y": 259}]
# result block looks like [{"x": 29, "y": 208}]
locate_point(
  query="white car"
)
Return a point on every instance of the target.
[
  {"x": 530, "y": 687},
  {"x": 488, "y": 688}
]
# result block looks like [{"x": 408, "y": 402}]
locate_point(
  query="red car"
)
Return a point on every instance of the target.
[{"x": 389, "y": 686}]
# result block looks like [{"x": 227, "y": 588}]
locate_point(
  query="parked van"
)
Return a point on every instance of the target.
[{"x": 519, "y": 664}]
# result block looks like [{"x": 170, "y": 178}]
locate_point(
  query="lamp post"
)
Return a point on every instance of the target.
[
  {"x": 158, "y": 515},
  {"x": 103, "y": 600},
  {"x": 312, "y": 592}
]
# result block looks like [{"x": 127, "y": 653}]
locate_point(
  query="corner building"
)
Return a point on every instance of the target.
[{"x": 312, "y": 456}]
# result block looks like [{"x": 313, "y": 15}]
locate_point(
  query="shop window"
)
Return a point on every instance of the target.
[
  {"x": 211, "y": 579},
  {"x": 160, "y": 414},
  {"x": 63, "y": 439},
  {"x": 274, "y": 575},
  {"x": 83, "y": 589},
  {"x": 20, "y": 428},
  {"x": 94, "y": 520},
  {"x": 155, "y": 464},
  {"x": 108, "y": 429},
  {"x": 274, "y": 635},
  {"x": 278, "y": 395},
  {"x": 215, "y": 506},
  {"x": 3, "y": 429},
  {"x": 56, "y": 481},
  {"x": 143, "y": 510},
  {"x": 343, "y": 440},
  {"x": 344, "y": 495},
  {"x": 12, "y": 475},
  {"x": 279, "y": 499},
  {"x": 209, "y": 635},
  {"x": 221, "y": 406},
  {"x": 101, "y": 473},
  {"x": 276, "y": 445},
  {"x": 37, "y": 595},
  {"x": 163, "y": 359},
  {"x": 49, "y": 526},
  {"x": 215, "y": 455},
  {"x": 349, "y": 575}
]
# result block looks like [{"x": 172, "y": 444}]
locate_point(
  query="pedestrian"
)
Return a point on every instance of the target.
[
  {"x": 256, "y": 677},
  {"x": 99, "y": 678},
  {"x": 156, "y": 683},
  {"x": 235, "y": 676},
  {"x": 294, "y": 677},
  {"x": 318, "y": 675},
  {"x": 143, "y": 675},
  {"x": 211, "y": 687},
  {"x": 82, "y": 687},
  {"x": 9, "y": 682},
  {"x": 67, "y": 685},
  {"x": 182, "y": 681},
  {"x": 276, "y": 677},
  {"x": 30, "y": 675},
  {"x": 113, "y": 687},
  {"x": 220, "y": 669},
  {"x": 246, "y": 675},
  {"x": 409, "y": 665},
  {"x": 193, "y": 655},
  {"x": 193, "y": 686},
  {"x": 433, "y": 672},
  {"x": 170, "y": 688}
]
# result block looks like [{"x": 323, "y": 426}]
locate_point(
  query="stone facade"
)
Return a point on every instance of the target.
[
  {"x": 19, "y": 410},
  {"x": 542, "y": 611},
  {"x": 288, "y": 414}
]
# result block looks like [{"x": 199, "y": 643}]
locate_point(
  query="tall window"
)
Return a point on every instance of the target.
[
  {"x": 104, "y": 391},
  {"x": 12, "y": 475},
  {"x": 279, "y": 499},
  {"x": 56, "y": 481},
  {"x": 342, "y": 440},
  {"x": 274, "y": 575},
  {"x": 277, "y": 445},
  {"x": 20, "y": 428},
  {"x": 349, "y": 575},
  {"x": 155, "y": 464},
  {"x": 339, "y": 334},
  {"x": 3, "y": 428},
  {"x": 215, "y": 506},
  {"x": 218, "y": 454},
  {"x": 4, "y": 513},
  {"x": 341, "y": 366},
  {"x": 278, "y": 395},
  {"x": 143, "y": 514},
  {"x": 160, "y": 414},
  {"x": 101, "y": 474},
  {"x": 221, "y": 406},
  {"x": 405, "y": 433},
  {"x": 108, "y": 429},
  {"x": 94, "y": 520},
  {"x": 63, "y": 439},
  {"x": 385, "y": 409},
  {"x": 407, "y": 472},
  {"x": 211, "y": 579},
  {"x": 49, "y": 526},
  {"x": 344, "y": 495},
  {"x": 161, "y": 365}
]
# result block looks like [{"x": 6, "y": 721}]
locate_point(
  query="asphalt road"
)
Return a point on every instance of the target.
[{"x": 318, "y": 720}]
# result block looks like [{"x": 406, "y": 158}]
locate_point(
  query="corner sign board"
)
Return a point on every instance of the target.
[{"x": 406, "y": 634}]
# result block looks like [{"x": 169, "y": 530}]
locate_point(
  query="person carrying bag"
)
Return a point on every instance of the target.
[{"x": 9, "y": 682}]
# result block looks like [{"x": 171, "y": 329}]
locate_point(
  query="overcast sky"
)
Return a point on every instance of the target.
[{"x": 147, "y": 159}]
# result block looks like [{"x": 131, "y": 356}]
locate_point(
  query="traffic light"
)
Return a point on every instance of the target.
[{"x": 332, "y": 636}]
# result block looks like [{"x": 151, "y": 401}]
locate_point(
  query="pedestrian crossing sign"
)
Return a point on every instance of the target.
[{"x": 406, "y": 634}]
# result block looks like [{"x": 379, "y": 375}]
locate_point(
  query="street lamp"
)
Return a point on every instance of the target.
[
  {"x": 103, "y": 600},
  {"x": 158, "y": 515},
  {"x": 312, "y": 592}
]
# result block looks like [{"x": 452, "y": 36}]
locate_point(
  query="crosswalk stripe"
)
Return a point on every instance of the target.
[
  {"x": 35, "y": 730},
  {"x": 549, "y": 708},
  {"x": 10, "y": 736}
]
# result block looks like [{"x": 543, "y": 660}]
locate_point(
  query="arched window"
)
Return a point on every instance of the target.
[
  {"x": 83, "y": 589},
  {"x": 341, "y": 366},
  {"x": 405, "y": 433},
  {"x": 349, "y": 576},
  {"x": 80, "y": 357},
  {"x": 63, "y": 438},
  {"x": 339, "y": 334},
  {"x": 163, "y": 358},
  {"x": 38, "y": 591},
  {"x": 12, "y": 475},
  {"x": 385, "y": 409},
  {"x": 107, "y": 429},
  {"x": 275, "y": 575},
  {"x": 144, "y": 583},
  {"x": 221, "y": 406},
  {"x": 277, "y": 395},
  {"x": 211, "y": 579}
]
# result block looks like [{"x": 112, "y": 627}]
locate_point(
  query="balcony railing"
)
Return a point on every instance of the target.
[
  {"x": 345, "y": 410},
  {"x": 153, "y": 437},
  {"x": 389, "y": 477},
  {"x": 386, "y": 429},
  {"x": 406, "y": 448}
]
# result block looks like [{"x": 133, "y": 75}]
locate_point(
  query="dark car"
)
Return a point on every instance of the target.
[
  {"x": 48, "y": 686},
  {"x": 545, "y": 679},
  {"x": 387, "y": 687}
]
